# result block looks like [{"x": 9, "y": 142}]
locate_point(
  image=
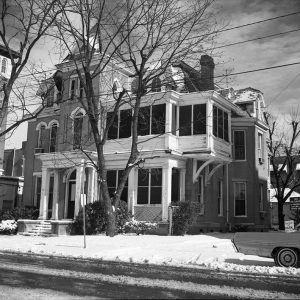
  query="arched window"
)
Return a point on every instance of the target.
[
  {"x": 4, "y": 65},
  {"x": 42, "y": 136},
  {"x": 53, "y": 137},
  {"x": 78, "y": 119},
  {"x": 156, "y": 85}
]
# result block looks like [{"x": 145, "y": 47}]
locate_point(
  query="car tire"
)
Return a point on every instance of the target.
[{"x": 286, "y": 257}]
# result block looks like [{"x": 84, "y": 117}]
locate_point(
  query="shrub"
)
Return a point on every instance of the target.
[
  {"x": 8, "y": 227},
  {"x": 184, "y": 215},
  {"x": 95, "y": 219},
  {"x": 240, "y": 228},
  {"x": 31, "y": 213},
  {"x": 139, "y": 227}
]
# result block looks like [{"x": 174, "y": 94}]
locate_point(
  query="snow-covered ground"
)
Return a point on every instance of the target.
[{"x": 206, "y": 250}]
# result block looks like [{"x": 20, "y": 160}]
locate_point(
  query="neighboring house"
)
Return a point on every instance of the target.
[
  {"x": 10, "y": 187},
  {"x": 290, "y": 207},
  {"x": 292, "y": 204},
  {"x": 12, "y": 180},
  {"x": 5, "y": 69},
  {"x": 210, "y": 148}
]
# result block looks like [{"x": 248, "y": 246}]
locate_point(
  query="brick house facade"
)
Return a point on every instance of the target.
[{"x": 208, "y": 147}]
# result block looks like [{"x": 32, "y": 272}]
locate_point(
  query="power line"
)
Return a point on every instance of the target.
[
  {"x": 222, "y": 30},
  {"x": 255, "y": 39}
]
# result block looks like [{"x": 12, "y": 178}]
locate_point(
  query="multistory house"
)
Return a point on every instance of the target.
[
  {"x": 5, "y": 70},
  {"x": 208, "y": 147}
]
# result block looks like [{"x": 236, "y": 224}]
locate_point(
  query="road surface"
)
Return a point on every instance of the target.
[{"x": 44, "y": 277}]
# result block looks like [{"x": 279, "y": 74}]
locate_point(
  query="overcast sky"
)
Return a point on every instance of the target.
[{"x": 280, "y": 86}]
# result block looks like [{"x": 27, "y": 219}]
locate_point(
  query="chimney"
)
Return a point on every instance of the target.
[{"x": 207, "y": 73}]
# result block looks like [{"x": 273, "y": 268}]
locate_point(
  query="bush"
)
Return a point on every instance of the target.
[
  {"x": 240, "y": 228},
  {"x": 139, "y": 227},
  {"x": 95, "y": 219},
  {"x": 8, "y": 227},
  {"x": 31, "y": 213},
  {"x": 184, "y": 215}
]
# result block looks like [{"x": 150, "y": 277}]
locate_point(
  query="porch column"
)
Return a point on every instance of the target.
[
  {"x": 166, "y": 191},
  {"x": 132, "y": 190},
  {"x": 182, "y": 184},
  {"x": 79, "y": 182},
  {"x": 91, "y": 185},
  {"x": 44, "y": 194},
  {"x": 55, "y": 195}
]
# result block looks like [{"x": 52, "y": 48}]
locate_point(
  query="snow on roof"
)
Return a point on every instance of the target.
[{"x": 247, "y": 95}]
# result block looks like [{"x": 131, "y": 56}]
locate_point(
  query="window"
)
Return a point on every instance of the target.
[
  {"x": 125, "y": 123},
  {"x": 42, "y": 137},
  {"x": 156, "y": 84},
  {"x": 158, "y": 119},
  {"x": 185, "y": 125},
  {"x": 78, "y": 120},
  {"x": 260, "y": 148},
  {"x": 121, "y": 127},
  {"x": 152, "y": 119},
  {"x": 192, "y": 119},
  {"x": 239, "y": 145},
  {"x": 220, "y": 123},
  {"x": 149, "y": 186},
  {"x": 4, "y": 65},
  {"x": 239, "y": 190},
  {"x": 114, "y": 177},
  {"x": 199, "y": 119},
  {"x": 261, "y": 197},
  {"x": 72, "y": 88},
  {"x": 220, "y": 198},
  {"x": 144, "y": 121},
  {"x": 53, "y": 137}
]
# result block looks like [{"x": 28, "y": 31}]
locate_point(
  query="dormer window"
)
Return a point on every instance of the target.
[
  {"x": 156, "y": 84},
  {"x": 4, "y": 65}
]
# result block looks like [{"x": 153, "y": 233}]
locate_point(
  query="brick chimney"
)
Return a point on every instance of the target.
[{"x": 207, "y": 73}]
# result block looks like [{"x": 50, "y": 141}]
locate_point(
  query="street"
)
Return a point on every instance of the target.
[{"x": 32, "y": 277}]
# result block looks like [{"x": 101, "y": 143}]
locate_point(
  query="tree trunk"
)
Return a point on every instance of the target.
[{"x": 280, "y": 214}]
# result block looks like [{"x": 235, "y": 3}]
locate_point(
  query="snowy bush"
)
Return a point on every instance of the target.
[
  {"x": 139, "y": 227},
  {"x": 8, "y": 227}
]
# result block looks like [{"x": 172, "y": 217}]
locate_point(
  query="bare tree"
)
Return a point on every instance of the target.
[
  {"x": 23, "y": 24},
  {"x": 283, "y": 151},
  {"x": 145, "y": 37}
]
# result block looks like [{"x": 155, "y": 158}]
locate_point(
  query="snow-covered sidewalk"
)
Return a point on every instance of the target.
[{"x": 206, "y": 250}]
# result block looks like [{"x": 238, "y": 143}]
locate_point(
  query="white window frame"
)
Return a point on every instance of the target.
[
  {"x": 234, "y": 199},
  {"x": 260, "y": 148}
]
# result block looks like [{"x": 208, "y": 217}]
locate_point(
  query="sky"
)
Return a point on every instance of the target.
[{"x": 280, "y": 86}]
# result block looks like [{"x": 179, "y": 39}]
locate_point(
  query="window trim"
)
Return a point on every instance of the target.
[
  {"x": 234, "y": 189},
  {"x": 245, "y": 143},
  {"x": 75, "y": 79},
  {"x": 52, "y": 124},
  {"x": 215, "y": 129},
  {"x": 149, "y": 188}
]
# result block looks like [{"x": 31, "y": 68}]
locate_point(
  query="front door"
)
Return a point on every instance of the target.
[{"x": 71, "y": 200}]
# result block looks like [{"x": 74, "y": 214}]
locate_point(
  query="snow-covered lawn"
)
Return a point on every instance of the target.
[{"x": 206, "y": 250}]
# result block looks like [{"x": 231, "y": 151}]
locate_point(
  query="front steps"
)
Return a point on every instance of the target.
[{"x": 43, "y": 228}]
